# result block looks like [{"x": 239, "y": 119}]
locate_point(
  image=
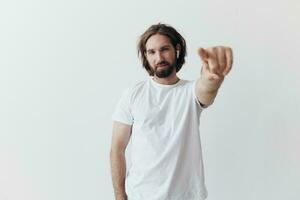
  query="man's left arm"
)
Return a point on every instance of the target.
[{"x": 217, "y": 63}]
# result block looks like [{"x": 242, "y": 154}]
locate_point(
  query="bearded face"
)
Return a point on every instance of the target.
[
  {"x": 164, "y": 69},
  {"x": 160, "y": 55}
]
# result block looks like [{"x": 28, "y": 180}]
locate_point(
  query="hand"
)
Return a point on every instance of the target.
[{"x": 217, "y": 63}]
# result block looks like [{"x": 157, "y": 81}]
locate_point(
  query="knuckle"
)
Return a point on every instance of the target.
[
  {"x": 228, "y": 49},
  {"x": 222, "y": 63},
  {"x": 215, "y": 50}
]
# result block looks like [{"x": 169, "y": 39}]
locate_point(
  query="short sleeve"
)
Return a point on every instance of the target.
[
  {"x": 195, "y": 96},
  {"x": 122, "y": 112}
]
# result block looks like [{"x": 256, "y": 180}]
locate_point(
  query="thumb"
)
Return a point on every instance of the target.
[{"x": 203, "y": 54}]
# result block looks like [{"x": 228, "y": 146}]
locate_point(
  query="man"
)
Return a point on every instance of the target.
[{"x": 161, "y": 116}]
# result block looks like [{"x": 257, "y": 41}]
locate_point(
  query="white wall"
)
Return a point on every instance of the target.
[{"x": 65, "y": 63}]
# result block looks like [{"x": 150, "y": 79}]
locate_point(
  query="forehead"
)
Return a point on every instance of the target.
[{"x": 157, "y": 41}]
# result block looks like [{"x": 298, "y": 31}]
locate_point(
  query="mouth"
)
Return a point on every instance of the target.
[{"x": 162, "y": 65}]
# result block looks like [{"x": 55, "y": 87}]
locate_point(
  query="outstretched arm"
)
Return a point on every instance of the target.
[{"x": 217, "y": 63}]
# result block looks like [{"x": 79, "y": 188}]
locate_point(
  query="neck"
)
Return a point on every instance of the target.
[{"x": 170, "y": 80}]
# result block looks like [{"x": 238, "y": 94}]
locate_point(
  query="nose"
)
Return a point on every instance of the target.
[{"x": 159, "y": 57}]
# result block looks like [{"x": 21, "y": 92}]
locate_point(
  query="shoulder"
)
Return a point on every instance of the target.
[
  {"x": 189, "y": 86},
  {"x": 134, "y": 89},
  {"x": 186, "y": 84},
  {"x": 136, "y": 86}
]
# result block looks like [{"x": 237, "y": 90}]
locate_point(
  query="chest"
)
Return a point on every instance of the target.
[{"x": 163, "y": 108}]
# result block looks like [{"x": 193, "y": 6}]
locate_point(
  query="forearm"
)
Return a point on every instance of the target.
[
  {"x": 205, "y": 94},
  {"x": 118, "y": 172}
]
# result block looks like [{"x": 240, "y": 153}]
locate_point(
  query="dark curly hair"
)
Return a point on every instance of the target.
[{"x": 174, "y": 37}]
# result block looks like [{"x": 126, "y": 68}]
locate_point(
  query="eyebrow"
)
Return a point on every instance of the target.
[{"x": 164, "y": 46}]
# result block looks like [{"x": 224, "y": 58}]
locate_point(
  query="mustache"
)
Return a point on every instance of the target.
[{"x": 162, "y": 63}]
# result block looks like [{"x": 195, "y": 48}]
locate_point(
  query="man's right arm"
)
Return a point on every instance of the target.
[{"x": 120, "y": 138}]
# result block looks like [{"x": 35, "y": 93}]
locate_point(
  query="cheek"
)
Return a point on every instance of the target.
[
  {"x": 150, "y": 61},
  {"x": 171, "y": 56}
]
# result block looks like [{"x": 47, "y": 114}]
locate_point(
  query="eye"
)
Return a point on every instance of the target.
[
  {"x": 165, "y": 49},
  {"x": 150, "y": 52}
]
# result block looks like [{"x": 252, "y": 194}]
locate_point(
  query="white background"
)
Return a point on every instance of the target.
[{"x": 64, "y": 65}]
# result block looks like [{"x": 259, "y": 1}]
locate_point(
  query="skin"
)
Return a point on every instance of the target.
[
  {"x": 159, "y": 49},
  {"x": 217, "y": 63},
  {"x": 120, "y": 138},
  {"x": 161, "y": 55}
]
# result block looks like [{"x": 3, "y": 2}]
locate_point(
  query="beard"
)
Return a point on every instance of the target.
[{"x": 164, "y": 69}]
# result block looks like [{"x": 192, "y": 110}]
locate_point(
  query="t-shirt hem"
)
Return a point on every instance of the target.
[
  {"x": 122, "y": 121},
  {"x": 200, "y": 196},
  {"x": 194, "y": 198}
]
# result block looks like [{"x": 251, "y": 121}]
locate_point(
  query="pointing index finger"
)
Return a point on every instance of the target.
[{"x": 203, "y": 54}]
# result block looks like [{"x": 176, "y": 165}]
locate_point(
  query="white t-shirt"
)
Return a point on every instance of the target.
[{"x": 166, "y": 155}]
